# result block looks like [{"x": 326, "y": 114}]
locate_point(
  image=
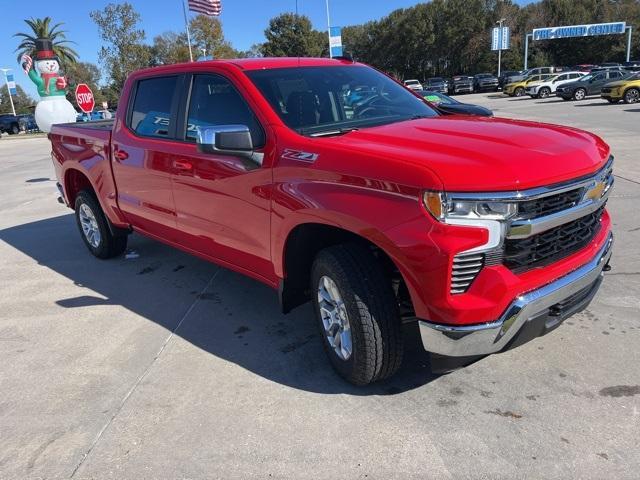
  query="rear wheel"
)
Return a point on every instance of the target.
[
  {"x": 632, "y": 95},
  {"x": 579, "y": 94},
  {"x": 94, "y": 228},
  {"x": 544, "y": 92},
  {"x": 15, "y": 129},
  {"x": 357, "y": 314},
  {"x": 519, "y": 92}
]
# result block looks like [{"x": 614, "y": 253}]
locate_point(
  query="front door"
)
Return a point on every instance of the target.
[{"x": 223, "y": 202}]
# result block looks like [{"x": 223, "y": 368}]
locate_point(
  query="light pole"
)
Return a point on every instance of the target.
[
  {"x": 329, "y": 28},
  {"x": 499, "y": 22}
]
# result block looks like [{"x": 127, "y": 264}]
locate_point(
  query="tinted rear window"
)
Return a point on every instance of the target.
[{"x": 151, "y": 112}]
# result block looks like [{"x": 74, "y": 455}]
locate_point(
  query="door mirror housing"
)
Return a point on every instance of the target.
[{"x": 233, "y": 140}]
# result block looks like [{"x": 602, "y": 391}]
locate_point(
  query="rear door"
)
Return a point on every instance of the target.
[
  {"x": 595, "y": 85},
  {"x": 142, "y": 150},
  {"x": 222, "y": 202}
]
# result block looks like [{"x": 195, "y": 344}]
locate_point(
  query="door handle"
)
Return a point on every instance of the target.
[
  {"x": 120, "y": 155},
  {"x": 183, "y": 165}
]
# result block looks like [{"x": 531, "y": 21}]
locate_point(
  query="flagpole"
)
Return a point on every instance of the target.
[
  {"x": 329, "y": 29},
  {"x": 186, "y": 24}
]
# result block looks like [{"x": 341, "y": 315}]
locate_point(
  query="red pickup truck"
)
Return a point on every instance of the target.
[{"x": 330, "y": 182}]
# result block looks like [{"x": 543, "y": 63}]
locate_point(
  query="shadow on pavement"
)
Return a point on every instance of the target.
[
  {"x": 236, "y": 318},
  {"x": 632, "y": 110},
  {"x": 601, "y": 104}
]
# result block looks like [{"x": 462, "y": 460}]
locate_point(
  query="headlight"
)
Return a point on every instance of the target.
[{"x": 443, "y": 208}]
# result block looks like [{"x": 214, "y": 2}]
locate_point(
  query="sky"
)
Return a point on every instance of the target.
[{"x": 243, "y": 21}]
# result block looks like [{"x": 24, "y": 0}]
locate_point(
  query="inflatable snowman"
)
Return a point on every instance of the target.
[{"x": 53, "y": 106}]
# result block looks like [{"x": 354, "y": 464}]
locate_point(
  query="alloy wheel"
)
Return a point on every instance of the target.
[
  {"x": 334, "y": 318},
  {"x": 632, "y": 95},
  {"x": 89, "y": 225}
]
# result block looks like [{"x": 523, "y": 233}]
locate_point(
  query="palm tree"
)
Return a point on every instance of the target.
[{"x": 40, "y": 29}]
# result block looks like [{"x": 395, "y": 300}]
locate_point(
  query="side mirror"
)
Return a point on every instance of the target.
[{"x": 234, "y": 140}]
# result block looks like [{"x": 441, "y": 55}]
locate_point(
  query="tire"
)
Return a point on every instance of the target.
[
  {"x": 15, "y": 129},
  {"x": 518, "y": 92},
  {"x": 365, "y": 298},
  {"x": 632, "y": 95},
  {"x": 96, "y": 233},
  {"x": 544, "y": 92},
  {"x": 579, "y": 94}
]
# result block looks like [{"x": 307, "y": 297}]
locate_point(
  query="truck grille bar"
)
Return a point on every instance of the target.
[{"x": 464, "y": 271}]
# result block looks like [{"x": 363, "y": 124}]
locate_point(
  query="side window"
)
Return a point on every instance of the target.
[
  {"x": 215, "y": 101},
  {"x": 151, "y": 112}
]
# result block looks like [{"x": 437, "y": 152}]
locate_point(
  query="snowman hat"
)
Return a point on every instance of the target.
[{"x": 44, "y": 49}]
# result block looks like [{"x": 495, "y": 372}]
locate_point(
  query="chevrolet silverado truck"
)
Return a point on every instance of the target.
[{"x": 478, "y": 233}]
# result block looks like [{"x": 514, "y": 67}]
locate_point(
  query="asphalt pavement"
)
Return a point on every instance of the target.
[{"x": 159, "y": 365}]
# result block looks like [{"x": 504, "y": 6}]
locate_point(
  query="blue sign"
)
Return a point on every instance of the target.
[
  {"x": 335, "y": 41},
  {"x": 588, "y": 30},
  {"x": 11, "y": 84},
  {"x": 500, "y": 38}
]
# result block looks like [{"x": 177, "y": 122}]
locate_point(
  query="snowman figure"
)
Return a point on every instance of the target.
[{"x": 53, "y": 106}]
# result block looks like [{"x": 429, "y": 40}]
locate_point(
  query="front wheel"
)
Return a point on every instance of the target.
[
  {"x": 94, "y": 228},
  {"x": 632, "y": 95},
  {"x": 357, "y": 314},
  {"x": 519, "y": 92},
  {"x": 579, "y": 94},
  {"x": 544, "y": 92}
]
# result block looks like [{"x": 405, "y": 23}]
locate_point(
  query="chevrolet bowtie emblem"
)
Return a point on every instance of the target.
[{"x": 595, "y": 191}]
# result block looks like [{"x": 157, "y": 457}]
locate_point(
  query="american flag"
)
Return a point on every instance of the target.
[{"x": 208, "y": 7}]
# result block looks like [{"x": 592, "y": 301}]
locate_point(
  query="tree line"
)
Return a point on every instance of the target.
[{"x": 436, "y": 38}]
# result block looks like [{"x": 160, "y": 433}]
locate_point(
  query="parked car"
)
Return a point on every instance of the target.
[
  {"x": 9, "y": 124},
  {"x": 483, "y": 82},
  {"x": 413, "y": 84},
  {"x": 518, "y": 89},
  {"x": 584, "y": 67},
  {"x": 633, "y": 65},
  {"x": 383, "y": 219},
  {"x": 544, "y": 88},
  {"x": 502, "y": 79},
  {"x": 627, "y": 89},
  {"x": 27, "y": 122},
  {"x": 436, "y": 84},
  {"x": 446, "y": 104},
  {"x": 610, "y": 64},
  {"x": 528, "y": 73},
  {"x": 590, "y": 84},
  {"x": 460, "y": 84}
]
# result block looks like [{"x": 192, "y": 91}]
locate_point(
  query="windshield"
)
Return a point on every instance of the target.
[
  {"x": 586, "y": 78},
  {"x": 317, "y": 100},
  {"x": 435, "y": 80}
]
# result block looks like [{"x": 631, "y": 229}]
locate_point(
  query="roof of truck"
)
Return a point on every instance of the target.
[{"x": 258, "y": 63}]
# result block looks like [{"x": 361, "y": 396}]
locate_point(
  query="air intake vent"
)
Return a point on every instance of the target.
[{"x": 466, "y": 267}]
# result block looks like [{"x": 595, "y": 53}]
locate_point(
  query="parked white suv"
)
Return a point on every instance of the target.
[
  {"x": 544, "y": 88},
  {"x": 413, "y": 84}
]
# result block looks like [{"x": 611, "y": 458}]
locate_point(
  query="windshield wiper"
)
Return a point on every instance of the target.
[{"x": 330, "y": 133}]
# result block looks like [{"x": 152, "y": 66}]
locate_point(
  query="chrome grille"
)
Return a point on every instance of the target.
[
  {"x": 465, "y": 269},
  {"x": 549, "y": 204}
]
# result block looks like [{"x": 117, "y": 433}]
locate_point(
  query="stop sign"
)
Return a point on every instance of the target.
[{"x": 84, "y": 98}]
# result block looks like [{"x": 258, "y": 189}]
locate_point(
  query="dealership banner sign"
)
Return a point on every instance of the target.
[
  {"x": 335, "y": 41},
  {"x": 589, "y": 30}
]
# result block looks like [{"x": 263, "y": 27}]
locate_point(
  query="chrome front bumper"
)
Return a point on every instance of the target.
[{"x": 534, "y": 306}]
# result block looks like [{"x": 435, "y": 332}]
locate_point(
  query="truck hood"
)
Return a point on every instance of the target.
[{"x": 483, "y": 154}]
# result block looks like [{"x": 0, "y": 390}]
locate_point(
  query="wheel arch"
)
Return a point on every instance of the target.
[
  {"x": 306, "y": 239},
  {"x": 74, "y": 181}
]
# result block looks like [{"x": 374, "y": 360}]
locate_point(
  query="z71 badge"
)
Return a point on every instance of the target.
[{"x": 298, "y": 155}]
